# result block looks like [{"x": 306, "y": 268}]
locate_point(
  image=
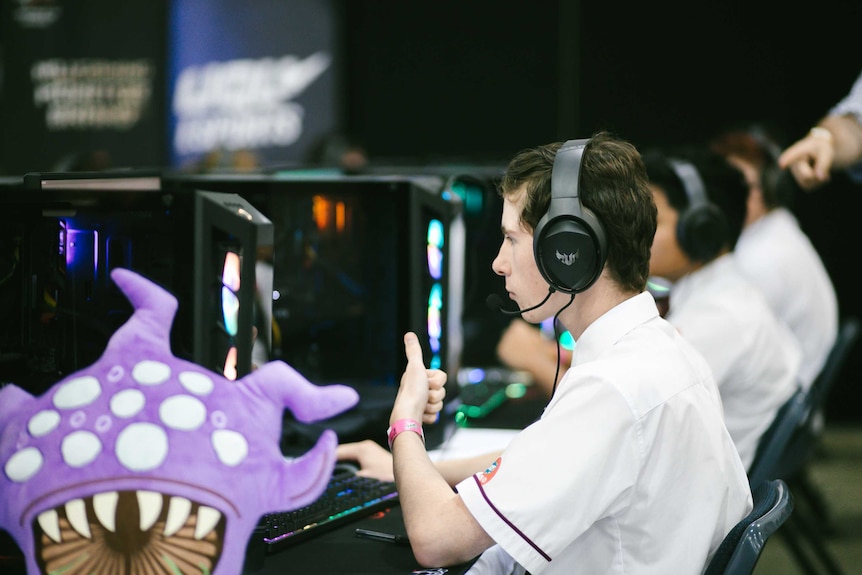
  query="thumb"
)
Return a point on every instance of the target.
[{"x": 412, "y": 348}]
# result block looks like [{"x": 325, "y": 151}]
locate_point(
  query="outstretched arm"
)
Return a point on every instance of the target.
[{"x": 835, "y": 143}]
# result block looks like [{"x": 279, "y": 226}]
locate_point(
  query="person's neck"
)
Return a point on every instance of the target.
[{"x": 755, "y": 210}]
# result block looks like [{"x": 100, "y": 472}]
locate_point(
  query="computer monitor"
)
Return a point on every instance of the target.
[
  {"x": 58, "y": 244},
  {"x": 357, "y": 261},
  {"x": 230, "y": 234}
]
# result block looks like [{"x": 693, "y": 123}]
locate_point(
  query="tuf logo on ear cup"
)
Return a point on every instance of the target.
[
  {"x": 569, "y": 241},
  {"x": 568, "y": 259}
]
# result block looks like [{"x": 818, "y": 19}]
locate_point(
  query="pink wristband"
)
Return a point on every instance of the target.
[{"x": 404, "y": 425}]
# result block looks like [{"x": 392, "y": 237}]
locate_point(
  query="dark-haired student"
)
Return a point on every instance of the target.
[
  {"x": 630, "y": 468},
  {"x": 754, "y": 356},
  {"x": 775, "y": 253}
]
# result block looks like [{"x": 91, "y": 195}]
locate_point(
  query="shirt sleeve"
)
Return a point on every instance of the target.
[
  {"x": 851, "y": 104},
  {"x": 561, "y": 475}
]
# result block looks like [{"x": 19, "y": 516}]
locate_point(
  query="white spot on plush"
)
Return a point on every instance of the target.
[
  {"x": 43, "y": 423},
  {"x": 77, "y": 392},
  {"x": 196, "y": 382},
  {"x": 127, "y": 403},
  {"x": 231, "y": 447},
  {"x": 182, "y": 412},
  {"x": 24, "y": 464},
  {"x": 151, "y": 372},
  {"x": 80, "y": 448},
  {"x": 142, "y": 446}
]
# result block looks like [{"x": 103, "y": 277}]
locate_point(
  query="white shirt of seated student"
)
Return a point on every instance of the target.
[
  {"x": 776, "y": 255},
  {"x": 630, "y": 469},
  {"x": 753, "y": 355}
]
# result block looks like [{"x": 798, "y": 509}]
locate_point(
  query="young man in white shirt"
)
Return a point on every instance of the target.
[
  {"x": 753, "y": 355},
  {"x": 630, "y": 468}
]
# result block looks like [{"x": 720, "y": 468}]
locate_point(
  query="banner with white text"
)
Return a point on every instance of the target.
[
  {"x": 250, "y": 79},
  {"x": 82, "y": 85}
]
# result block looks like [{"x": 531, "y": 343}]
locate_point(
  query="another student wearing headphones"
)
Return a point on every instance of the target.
[
  {"x": 630, "y": 468},
  {"x": 753, "y": 355},
  {"x": 774, "y": 252}
]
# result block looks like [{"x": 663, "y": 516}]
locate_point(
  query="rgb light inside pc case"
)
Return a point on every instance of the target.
[
  {"x": 230, "y": 233},
  {"x": 356, "y": 262},
  {"x": 58, "y": 245}
]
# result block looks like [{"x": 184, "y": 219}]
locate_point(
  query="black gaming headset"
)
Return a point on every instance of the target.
[
  {"x": 702, "y": 228},
  {"x": 569, "y": 241}
]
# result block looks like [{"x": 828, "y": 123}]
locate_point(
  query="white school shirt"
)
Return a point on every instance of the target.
[
  {"x": 630, "y": 469},
  {"x": 776, "y": 255},
  {"x": 851, "y": 105},
  {"x": 753, "y": 355}
]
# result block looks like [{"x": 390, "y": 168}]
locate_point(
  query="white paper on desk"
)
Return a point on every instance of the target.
[{"x": 467, "y": 442}]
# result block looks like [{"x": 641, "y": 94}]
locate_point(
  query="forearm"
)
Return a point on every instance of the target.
[
  {"x": 454, "y": 471},
  {"x": 440, "y": 528},
  {"x": 847, "y": 139}
]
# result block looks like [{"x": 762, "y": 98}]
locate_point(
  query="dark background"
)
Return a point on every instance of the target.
[{"x": 476, "y": 81}]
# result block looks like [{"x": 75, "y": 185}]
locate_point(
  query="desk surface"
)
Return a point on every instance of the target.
[{"x": 339, "y": 552}]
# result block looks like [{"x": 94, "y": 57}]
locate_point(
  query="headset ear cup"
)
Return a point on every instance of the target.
[
  {"x": 777, "y": 186},
  {"x": 569, "y": 241},
  {"x": 702, "y": 232},
  {"x": 570, "y": 251},
  {"x": 702, "y": 229}
]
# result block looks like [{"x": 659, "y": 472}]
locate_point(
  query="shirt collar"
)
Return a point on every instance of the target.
[{"x": 607, "y": 330}]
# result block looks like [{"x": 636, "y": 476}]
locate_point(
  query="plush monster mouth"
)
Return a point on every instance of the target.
[{"x": 129, "y": 532}]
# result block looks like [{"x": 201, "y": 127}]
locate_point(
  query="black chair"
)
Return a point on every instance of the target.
[
  {"x": 772, "y": 460},
  {"x": 741, "y": 548},
  {"x": 848, "y": 333},
  {"x": 805, "y": 445},
  {"x": 788, "y": 446}
]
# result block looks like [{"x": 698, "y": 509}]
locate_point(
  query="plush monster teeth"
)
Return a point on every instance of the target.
[
  {"x": 150, "y": 507},
  {"x": 50, "y": 524},
  {"x": 178, "y": 514},
  {"x": 208, "y": 518},
  {"x": 105, "y": 506},
  {"x": 76, "y": 513}
]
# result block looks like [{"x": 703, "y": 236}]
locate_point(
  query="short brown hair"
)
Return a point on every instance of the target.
[{"x": 613, "y": 184}]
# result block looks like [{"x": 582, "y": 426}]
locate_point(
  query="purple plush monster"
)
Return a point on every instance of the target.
[{"x": 147, "y": 464}]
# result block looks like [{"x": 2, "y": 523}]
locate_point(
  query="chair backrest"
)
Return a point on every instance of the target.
[
  {"x": 772, "y": 460},
  {"x": 742, "y": 546},
  {"x": 788, "y": 443},
  {"x": 848, "y": 333}
]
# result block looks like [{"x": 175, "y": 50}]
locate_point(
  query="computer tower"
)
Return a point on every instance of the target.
[
  {"x": 62, "y": 234},
  {"x": 357, "y": 261}
]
